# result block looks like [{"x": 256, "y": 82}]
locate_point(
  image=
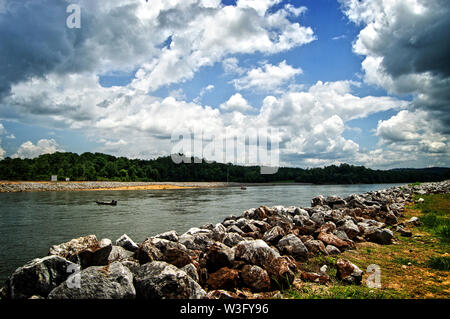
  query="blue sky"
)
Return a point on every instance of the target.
[{"x": 331, "y": 76}]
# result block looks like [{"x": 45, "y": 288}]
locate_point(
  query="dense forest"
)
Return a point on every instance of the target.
[{"x": 97, "y": 166}]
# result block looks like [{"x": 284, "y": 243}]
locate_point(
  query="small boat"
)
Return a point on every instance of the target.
[
  {"x": 243, "y": 187},
  {"x": 112, "y": 203}
]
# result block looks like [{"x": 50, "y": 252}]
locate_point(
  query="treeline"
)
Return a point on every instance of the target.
[{"x": 97, "y": 166}]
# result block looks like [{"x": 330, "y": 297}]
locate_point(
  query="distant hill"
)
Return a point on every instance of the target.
[{"x": 98, "y": 166}]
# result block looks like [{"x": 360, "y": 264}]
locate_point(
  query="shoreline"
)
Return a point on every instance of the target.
[
  {"x": 47, "y": 186},
  {"x": 249, "y": 256}
]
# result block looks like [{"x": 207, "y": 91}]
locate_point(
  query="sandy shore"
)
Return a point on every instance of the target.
[{"x": 13, "y": 186}]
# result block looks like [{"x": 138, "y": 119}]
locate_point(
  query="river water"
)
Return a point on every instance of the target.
[{"x": 31, "y": 222}]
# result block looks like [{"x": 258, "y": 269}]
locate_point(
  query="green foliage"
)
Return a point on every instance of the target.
[
  {"x": 439, "y": 263},
  {"x": 98, "y": 166}
]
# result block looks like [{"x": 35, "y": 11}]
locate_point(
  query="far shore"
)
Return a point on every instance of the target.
[{"x": 47, "y": 186}]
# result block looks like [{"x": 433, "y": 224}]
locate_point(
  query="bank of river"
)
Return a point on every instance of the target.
[
  {"x": 31, "y": 222},
  {"x": 45, "y": 186}
]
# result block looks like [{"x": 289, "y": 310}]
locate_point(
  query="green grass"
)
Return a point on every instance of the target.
[
  {"x": 405, "y": 261},
  {"x": 436, "y": 218},
  {"x": 439, "y": 263},
  {"x": 342, "y": 292}
]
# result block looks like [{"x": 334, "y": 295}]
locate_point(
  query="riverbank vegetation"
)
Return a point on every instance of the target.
[
  {"x": 413, "y": 267},
  {"x": 103, "y": 167}
]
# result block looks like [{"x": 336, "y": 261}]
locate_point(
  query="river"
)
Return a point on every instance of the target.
[{"x": 31, "y": 222}]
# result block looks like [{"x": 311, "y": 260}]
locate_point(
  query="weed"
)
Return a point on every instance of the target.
[{"x": 439, "y": 263}]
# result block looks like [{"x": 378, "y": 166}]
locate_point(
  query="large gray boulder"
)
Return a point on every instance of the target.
[
  {"x": 232, "y": 239},
  {"x": 350, "y": 228},
  {"x": 108, "y": 282},
  {"x": 255, "y": 252},
  {"x": 218, "y": 256},
  {"x": 160, "y": 280},
  {"x": 273, "y": 235},
  {"x": 39, "y": 277},
  {"x": 377, "y": 235},
  {"x": 119, "y": 253},
  {"x": 292, "y": 245}
]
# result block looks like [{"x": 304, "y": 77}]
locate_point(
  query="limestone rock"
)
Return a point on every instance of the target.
[
  {"x": 292, "y": 245},
  {"x": 108, "y": 282},
  {"x": 160, "y": 280},
  {"x": 39, "y": 276}
]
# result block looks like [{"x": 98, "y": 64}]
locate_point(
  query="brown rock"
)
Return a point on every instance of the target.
[
  {"x": 314, "y": 277},
  {"x": 327, "y": 228},
  {"x": 255, "y": 278},
  {"x": 177, "y": 257},
  {"x": 71, "y": 249},
  {"x": 281, "y": 270},
  {"x": 331, "y": 239},
  {"x": 147, "y": 252},
  {"x": 224, "y": 278},
  {"x": 96, "y": 255},
  {"x": 348, "y": 272},
  {"x": 274, "y": 235},
  {"x": 315, "y": 247},
  {"x": 218, "y": 256}
]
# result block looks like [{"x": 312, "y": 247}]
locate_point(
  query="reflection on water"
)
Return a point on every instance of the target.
[{"x": 31, "y": 222}]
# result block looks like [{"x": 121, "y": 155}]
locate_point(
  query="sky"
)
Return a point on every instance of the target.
[{"x": 364, "y": 82}]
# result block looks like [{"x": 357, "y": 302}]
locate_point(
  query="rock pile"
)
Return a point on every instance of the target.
[{"x": 259, "y": 250}]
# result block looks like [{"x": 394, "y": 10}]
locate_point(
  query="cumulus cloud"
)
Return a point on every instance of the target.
[
  {"x": 267, "y": 78},
  {"x": 30, "y": 150},
  {"x": 406, "y": 49},
  {"x": 236, "y": 103}
]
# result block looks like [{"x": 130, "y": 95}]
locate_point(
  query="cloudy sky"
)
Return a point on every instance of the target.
[{"x": 365, "y": 82}]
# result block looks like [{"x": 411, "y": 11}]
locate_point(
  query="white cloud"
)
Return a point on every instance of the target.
[
  {"x": 231, "y": 65},
  {"x": 223, "y": 31},
  {"x": 2, "y": 129},
  {"x": 44, "y": 146},
  {"x": 412, "y": 129},
  {"x": 267, "y": 78},
  {"x": 236, "y": 103},
  {"x": 260, "y": 6},
  {"x": 296, "y": 11}
]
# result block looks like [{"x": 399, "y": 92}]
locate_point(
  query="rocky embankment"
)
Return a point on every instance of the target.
[{"x": 258, "y": 251}]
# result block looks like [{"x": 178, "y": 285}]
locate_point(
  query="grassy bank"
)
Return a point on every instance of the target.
[{"x": 412, "y": 267}]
